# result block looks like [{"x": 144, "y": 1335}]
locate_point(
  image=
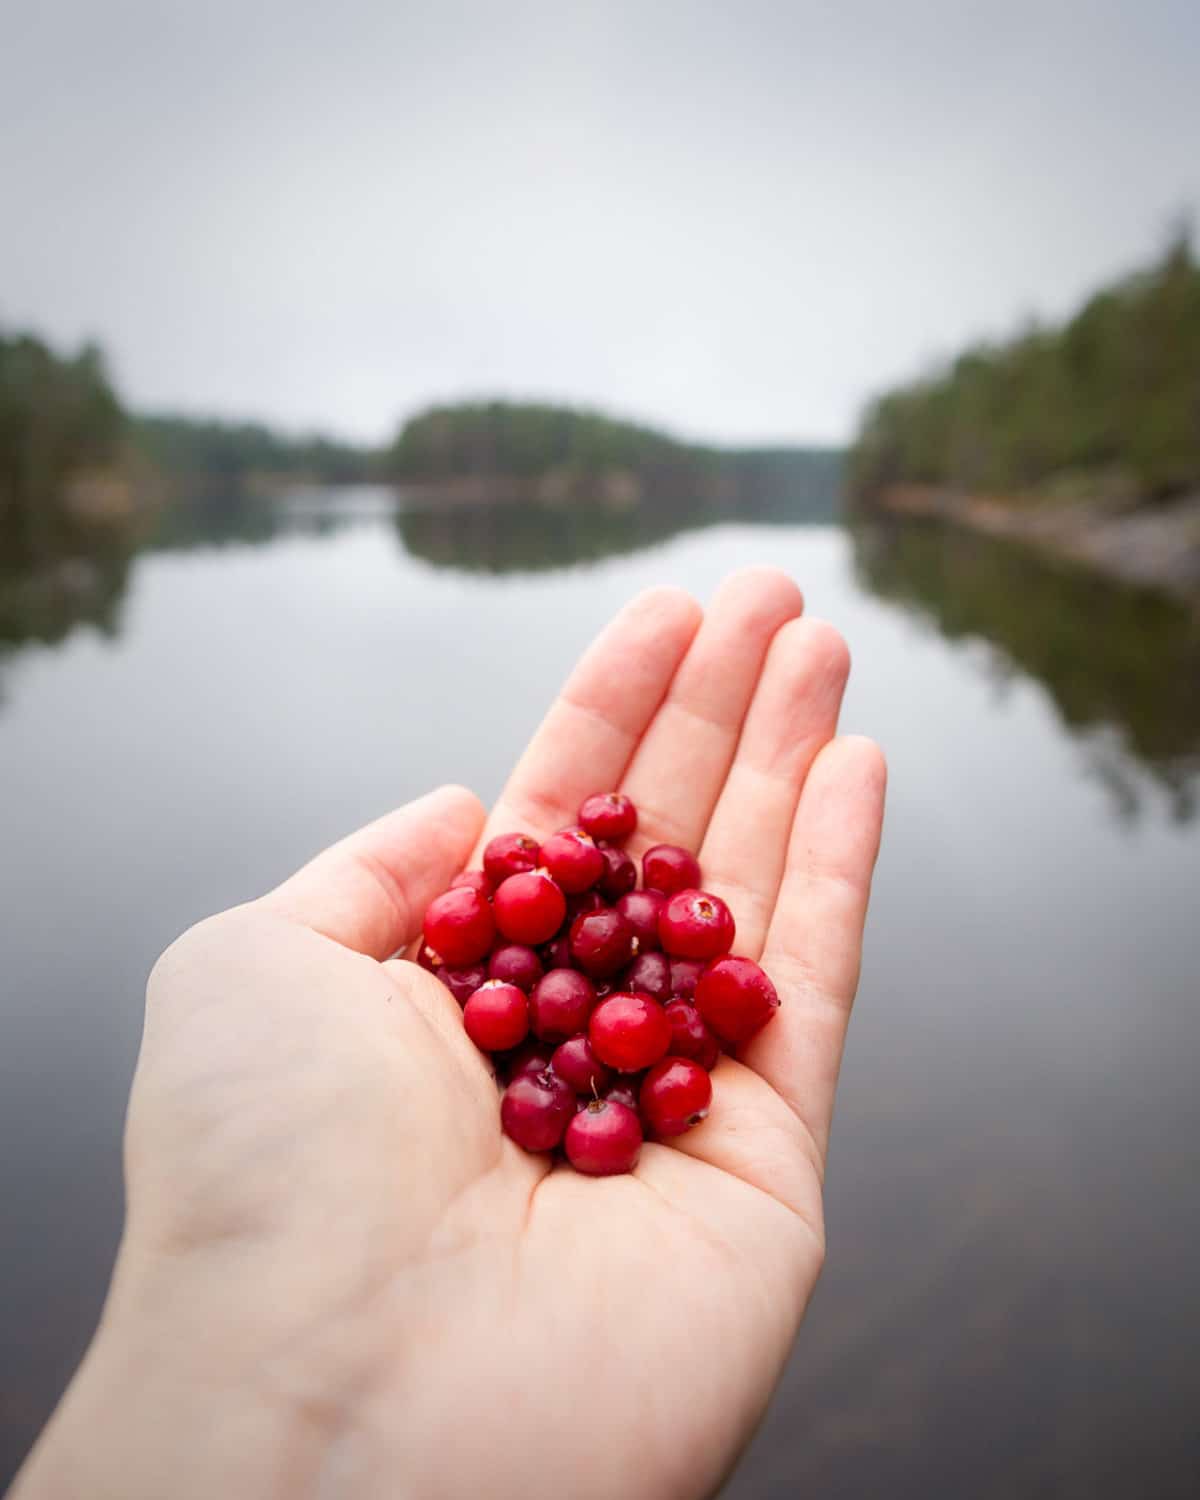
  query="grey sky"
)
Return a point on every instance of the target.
[{"x": 737, "y": 219}]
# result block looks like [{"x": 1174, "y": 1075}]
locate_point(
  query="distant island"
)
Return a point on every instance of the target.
[
  {"x": 484, "y": 452},
  {"x": 1083, "y": 439}
]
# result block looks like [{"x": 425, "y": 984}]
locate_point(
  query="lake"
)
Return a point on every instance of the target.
[{"x": 1012, "y": 1297}]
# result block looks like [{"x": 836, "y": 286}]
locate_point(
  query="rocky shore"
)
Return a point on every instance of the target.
[{"x": 1155, "y": 545}]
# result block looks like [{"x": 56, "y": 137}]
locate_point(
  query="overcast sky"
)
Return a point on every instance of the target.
[{"x": 738, "y": 219}]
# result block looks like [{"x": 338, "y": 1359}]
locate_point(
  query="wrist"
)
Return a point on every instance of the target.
[{"x": 168, "y": 1401}]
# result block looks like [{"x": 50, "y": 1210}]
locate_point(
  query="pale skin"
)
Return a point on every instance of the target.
[{"x": 338, "y": 1279}]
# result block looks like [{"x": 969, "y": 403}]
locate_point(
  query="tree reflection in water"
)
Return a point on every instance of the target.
[{"x": 1122, "y": 664}]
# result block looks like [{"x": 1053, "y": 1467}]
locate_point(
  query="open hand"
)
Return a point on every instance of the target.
[{"x": 338, "y": 1279}]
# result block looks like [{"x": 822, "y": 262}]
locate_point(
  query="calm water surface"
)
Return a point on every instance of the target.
[{"x": 1012, "y": 1300}]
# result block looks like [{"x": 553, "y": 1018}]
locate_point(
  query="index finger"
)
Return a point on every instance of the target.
[{"x": 592, "y": 729}]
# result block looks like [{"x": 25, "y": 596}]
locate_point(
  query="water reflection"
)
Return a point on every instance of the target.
[
  {"x": 1122, "y": 664},
  {"x": 43, "y": 603}
]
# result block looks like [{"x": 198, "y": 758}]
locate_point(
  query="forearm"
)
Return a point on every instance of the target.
[{"x": 156, "y": 1409}]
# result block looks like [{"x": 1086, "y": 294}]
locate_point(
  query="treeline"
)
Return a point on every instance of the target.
[
  {"x": 1107, "y": 404},
  {"x": 60, "y": 421},
  {"x": 71, "y": 455},
  {"x": 206, "y": 453},
  {"x": 523, "y": 440},
  {"x": 484, "y": 451},
  {"x": 74, "y": 459}
]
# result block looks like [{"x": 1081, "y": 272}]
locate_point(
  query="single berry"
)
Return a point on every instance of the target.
[
  {"x": 515, "y": 964},
  {"x": 603, "y": 1139},
  {"x": 462, "y": 982},
  {"x": 690, "y": 1037},
  {"x": 694, "y": 924},
  {"x": 557, "y": 954},
  {"x": 629, "y": 1032},
  {"x": 497, "y": 1016},
  {"x": 625, "y": 1092},
  {"x": 675, "y": 1095},
  {"x": 529, "y": 907},
  {"x": 535, "y": 1110},
  {"x": 560, "y": 1004},
  {"x": 459, "y": 926},
  {"x": 510, "y": 854},
  {"x": 530, "y": 1057},
  {"x": 576, "y": 1064},
  {"x": 602, "y": 942},
  {"x": 473, "y": 880},
  {"x": 608, "y": 815},
  {"x": 736, "y": 998},
  {"x": 572, "y": 858},
  {"x": 668, "y": 868},
  {"x": 620, "y": 873},
  {"x": 649, "y": 974},
  {"x": 641, "y": 910},
  {"x": 684, "y": 974}
]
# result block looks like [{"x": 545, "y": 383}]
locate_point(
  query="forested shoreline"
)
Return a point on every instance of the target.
[
  {"x": 74, "y": 460},
  {"x": 1104, "y": 407}
]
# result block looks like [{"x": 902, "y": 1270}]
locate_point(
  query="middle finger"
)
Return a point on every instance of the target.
[{"x": 677, "y": 772}]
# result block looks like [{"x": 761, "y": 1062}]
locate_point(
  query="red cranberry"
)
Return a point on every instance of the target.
[
  {"x": 459, "y": 926},
  {"x": 462, "y": 982},
  {"x": 572, "y": 858},
  {"x": 510, "y": 854},
  {"x": 641, "y": 910},
  {"x": 675, "y": 1095},
  {"x": 603, "y": 1139},
  {"x": 649, "y": 974},
  {"x": 690, "y": 1037},
  {"x": 529, "y": 907},
  {"x": 560, "y": 1004},
  {"x": 473, "y": 880},
  {"x": 620, "y": 873},
  {"x": 582, "y": 902},
  {"x": 515, "y": 964},
  {"x": 535, "y": 1110},
  {"x": 428, "y": 959},
  {"x": 684, "y": 974},
  {"x": 629, "y": 1032},
  {"x": 557, "y": 955},
  {"x": 625, "y": 1092},
  {"x": 576, "y": 1064},
  {"x": 602, "y": 942},
  {"x": 608, "y": 815},
  {"x": 497, "y": 1016},
  {"x": 694, "y": 924},
  {"x": 668, "y": 868},
  {"x": 530, "y": 1057},
  {"x": 736, "y": 998}
]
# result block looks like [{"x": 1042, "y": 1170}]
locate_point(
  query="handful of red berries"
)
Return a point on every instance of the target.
[{"x": 629, "y": 994}]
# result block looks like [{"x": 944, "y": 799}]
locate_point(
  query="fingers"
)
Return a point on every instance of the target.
[
  {"x": 369, "y": 892},
  {"x": 681, "y": 763},
  {"x": 585, "y": 741},
  {"x": 814, "y": 943},
  {"x": 794, "y": 713}
]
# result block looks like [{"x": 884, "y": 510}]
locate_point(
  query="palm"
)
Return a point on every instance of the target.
[{"x": 616, "y": 1336}]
